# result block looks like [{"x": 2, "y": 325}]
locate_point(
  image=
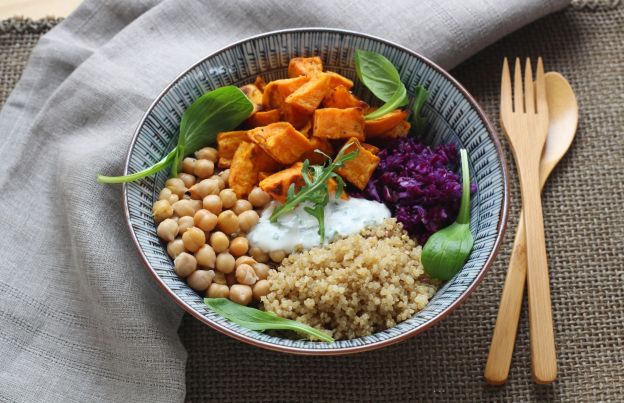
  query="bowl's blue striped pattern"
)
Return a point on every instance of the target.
[{"x": 452, "y": 119}]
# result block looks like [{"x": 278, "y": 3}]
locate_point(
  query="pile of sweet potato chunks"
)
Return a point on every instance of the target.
[{"x": 309, "y": 110}]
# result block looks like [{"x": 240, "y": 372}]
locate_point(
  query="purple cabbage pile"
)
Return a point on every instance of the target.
[{"x": 420, "y": 185}]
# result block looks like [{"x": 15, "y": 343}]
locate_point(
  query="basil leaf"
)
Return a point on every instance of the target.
[
  {"x": 255, "y": 319},
  {"x": 419, "y": 122},
  {"x": 396, "y": 101},
  {"x": 379, "y": 75},
  {"x": 216, "y": 111},
  {"x": 446, "y": 251}
]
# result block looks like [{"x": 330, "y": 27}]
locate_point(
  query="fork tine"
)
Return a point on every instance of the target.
[
  {"x": 518, "y": 94},
  {"x": 505, "y": 102},
  {"x": 529, "y": 97},
  {"x": 540, "y": 88}
]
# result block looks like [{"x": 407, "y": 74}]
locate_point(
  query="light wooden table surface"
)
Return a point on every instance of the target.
[{"x": 36, "y": 9}]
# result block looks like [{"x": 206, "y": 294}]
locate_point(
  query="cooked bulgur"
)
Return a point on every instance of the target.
[{"x": 355, "y": 286}]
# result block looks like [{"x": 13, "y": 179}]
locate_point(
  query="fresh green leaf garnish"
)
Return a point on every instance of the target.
[
  {"x": 255, "y": 319},
  {"x": 380, "y": 76},
  {"x": 220, "y": 110},
  {"x": 315, "y": 189},
  {"x": 418, "y": 120},
  {"x": 446, "y": 251}
]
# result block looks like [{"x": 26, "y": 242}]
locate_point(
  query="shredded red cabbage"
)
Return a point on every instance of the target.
[{"x": 419, "y": 185}]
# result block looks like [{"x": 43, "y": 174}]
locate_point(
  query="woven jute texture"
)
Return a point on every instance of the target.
[{"x": 584, "y": 222}]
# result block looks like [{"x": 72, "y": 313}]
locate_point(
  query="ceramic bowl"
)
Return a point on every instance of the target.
[{"x": 453, "y": 114}]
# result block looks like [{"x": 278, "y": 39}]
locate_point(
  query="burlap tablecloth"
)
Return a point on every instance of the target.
[{"x": 583, "y": 207}]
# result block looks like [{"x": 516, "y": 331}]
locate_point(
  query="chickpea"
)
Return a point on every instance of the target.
[
  {"x": 204, "y": 188},
  {"x": 262, "y": 270},
  {"x": 228, "y": 222},
  {"x": 241, "y": 294},
  {"x": 207, "y": 153},
  {"x": 188, "y": 179},
  {"x": 218, "y": 291},
  {"x": 219, "y": 278},
  {"x": 175, "y": 247},
  {"x": 261, "y": 288},
  {"x": 167, "y": 229},
  {"x": 213, "y": 204},
  {"x": 206, "y": 257},
  {"x": 188, "y": 165},
  {"x": 200, "y": 280},
  {"x": 185, "y": 264},
  {"x": 162, "y": 210},
  {"x": 176, "y": 185},
  {"x": 220, "y": 181},
  {"x": 239, "y": 246},
  {"x": 245, "y": 260},
  {"x": 193, "y": 238},
  {"x": 225, "y": 175},
  {"x": 185, "y": 207},
  {"x": 247, "y": 220},
  {"x": 241, "y": 205},
  {"x": 259, "y": 255},
  {"x": 277, "y": 255},
  {"x": 258, "y": 197},
  {"x": 205, "y": 220},
  {"x": 225, "y": 262},
  {"x": 228, "y": 197},
  {"x": 204, "y": 168},
  {"x": 245, "y": 274},
  {"x": 219, "y": 241},
  {"x": 230, "y": 279},
  {"x": 172, "y": 199},
  {"x": 164, "y": 194},
  {"x": 185, "y": 223}
]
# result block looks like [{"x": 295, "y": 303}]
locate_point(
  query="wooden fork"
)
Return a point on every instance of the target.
[{"x": 524, "y": 119}]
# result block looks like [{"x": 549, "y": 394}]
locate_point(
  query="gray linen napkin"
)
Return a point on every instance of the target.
[{"x": 80, "y": 319}]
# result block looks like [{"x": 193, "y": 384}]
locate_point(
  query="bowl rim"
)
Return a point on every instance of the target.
[{"x": 502, "y": 220}]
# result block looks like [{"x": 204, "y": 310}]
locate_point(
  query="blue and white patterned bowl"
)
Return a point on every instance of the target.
[{"x": 454, "y": 116}]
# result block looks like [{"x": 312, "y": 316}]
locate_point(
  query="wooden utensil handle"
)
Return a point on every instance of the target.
[
  {"x": 504, "y": 337},
  {"x": 543, "y": 354}
]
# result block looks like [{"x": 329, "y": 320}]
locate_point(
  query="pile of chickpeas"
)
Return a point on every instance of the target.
[{"x": 204, "y": 224}]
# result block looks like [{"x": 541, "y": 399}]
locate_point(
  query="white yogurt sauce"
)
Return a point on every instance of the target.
[{"x": 342, "y": 218}]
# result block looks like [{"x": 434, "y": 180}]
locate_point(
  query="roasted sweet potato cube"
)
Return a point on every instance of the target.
[
  {"x": 400, "y": 130},
  {"x": 228, "y": 142},
  {"x": 224, "y": 163},
  {"x": 321, "y": 144},
  {"x": 264, "y": 162},
  {"x": 306, "y": 130},
  {"x": 243, "y": 170},
  {"x": 375, "y": 127},
  {"x": 260, "y": 83},
  {"x": 304, "y": 66},
  {"x": 276, "y": 91},
  {"x": 371, "y": 148},
  {"x": 253, "y": 93},
  {"x": 308, "y": 97},
  {"x": 277, "y": 184},
  {"x": 334, "y": 123},
  {"x": 263, "y": 175},
  {"x": 295, "y": 116},
  {"x": 341, "y": 97},
  {"x": 281, "y": 141},
  {"x": 359, "y": 170},
  {"x": 336, "y": 80},
  {"x": 263, "y": 118}
]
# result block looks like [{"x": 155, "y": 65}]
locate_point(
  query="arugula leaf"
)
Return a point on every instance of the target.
[
  {"x": 380, "y": 76},
  {"x": 418, "y": 120},
  {"x": 315, "y": 189},
  {"x": 255, "y": 319},
  {"x": 216, "y": 111}
]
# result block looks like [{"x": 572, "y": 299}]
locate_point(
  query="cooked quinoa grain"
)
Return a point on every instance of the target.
[{"x": 356, "y": 286}]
